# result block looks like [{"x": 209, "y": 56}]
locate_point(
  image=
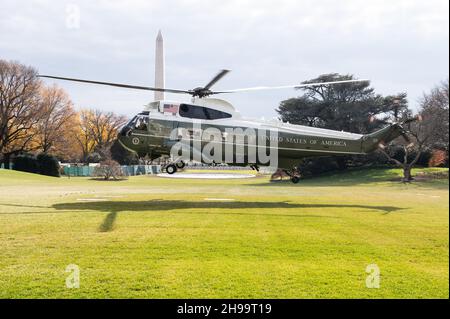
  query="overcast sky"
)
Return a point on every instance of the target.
[{"x": 400, "y": 45}]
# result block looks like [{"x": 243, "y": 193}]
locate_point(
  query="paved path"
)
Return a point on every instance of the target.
[{"x": 207, "y": 175}]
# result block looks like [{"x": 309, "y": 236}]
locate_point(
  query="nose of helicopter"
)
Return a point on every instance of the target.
[
  {"x": 125, "y": 139},
  {"x": 133, "y": 143}
]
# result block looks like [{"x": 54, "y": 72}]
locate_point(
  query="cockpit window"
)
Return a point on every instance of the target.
[
  {"x": 202, "y": 113},
  {"x": 139, "y": 122}
]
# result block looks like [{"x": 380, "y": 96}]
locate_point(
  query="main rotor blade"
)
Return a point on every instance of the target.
[
  {"x": 147, "y": 88},
  {"x": 220, "y": 75},
  {"x": 259, "y": 88}
]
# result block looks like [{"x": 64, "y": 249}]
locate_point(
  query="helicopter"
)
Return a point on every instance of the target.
[{"x": 196, "y": 131}]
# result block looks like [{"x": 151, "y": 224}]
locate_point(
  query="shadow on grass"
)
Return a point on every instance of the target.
[
  {"x": 108, "y": 223},
  {"x": 114, "y": 207},
  {"x": 167, "y": 205}
]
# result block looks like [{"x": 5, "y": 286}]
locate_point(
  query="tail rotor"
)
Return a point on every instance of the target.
[{"x": 400, "y": 126}]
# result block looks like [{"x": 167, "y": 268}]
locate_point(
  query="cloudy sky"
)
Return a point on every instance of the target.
[{"x": 401, "y": 45}]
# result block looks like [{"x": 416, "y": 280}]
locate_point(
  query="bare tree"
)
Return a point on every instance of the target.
[
  {"x": 420, "y": 134},
  {"x": 19, "y": 108},
  {"x": 435, "y": 105},
  {"x": 55, "y": 123},
  {"x": 429, "y": 133}
]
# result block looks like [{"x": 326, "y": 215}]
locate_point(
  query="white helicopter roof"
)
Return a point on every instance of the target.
[
  {"x": 217, "y": 104},
  {"x": 237, "y": 120}
]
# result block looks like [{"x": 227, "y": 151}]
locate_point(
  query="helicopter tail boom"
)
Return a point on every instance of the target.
[{"x": 377, "y": 139}]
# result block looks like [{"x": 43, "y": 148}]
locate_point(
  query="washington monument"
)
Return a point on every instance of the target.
[{"x": 159, "y": 66}]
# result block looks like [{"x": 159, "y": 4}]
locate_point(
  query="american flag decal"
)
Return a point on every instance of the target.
[{"x": 171, "y": 108}]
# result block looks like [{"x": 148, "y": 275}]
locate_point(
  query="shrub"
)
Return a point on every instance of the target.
[
  {"x": 316, "y": 166},
  {"x": 26, "y": 163},
  {"x": 438, "y": 158},
  {"x": 48, "y": 165},
  {"x": 42, "y": 164},
  {"x": 109, "y": 169}
]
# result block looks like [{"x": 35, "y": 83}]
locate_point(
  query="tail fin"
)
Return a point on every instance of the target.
[{"x": 372, "y": 141}]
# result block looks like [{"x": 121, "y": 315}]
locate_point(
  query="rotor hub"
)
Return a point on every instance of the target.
[{"x": 200, "y": 92}]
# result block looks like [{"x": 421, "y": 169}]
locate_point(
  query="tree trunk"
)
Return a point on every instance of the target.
[
  {"x": 6, "y": 159},
  {"x": 407, "y": 177},
  {"x": 85, "y": 156}
]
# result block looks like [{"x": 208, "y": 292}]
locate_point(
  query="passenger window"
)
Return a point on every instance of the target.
[{"x": 202, "y": 113}]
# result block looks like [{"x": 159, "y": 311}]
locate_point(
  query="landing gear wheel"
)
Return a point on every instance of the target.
[
  {"x": 171, "y": 169},
  {"x": 180, "y": 164},
  {"x": 295, "y": 179}
]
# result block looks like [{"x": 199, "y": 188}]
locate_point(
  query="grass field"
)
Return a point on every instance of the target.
[{"x": 151, "y": 237}]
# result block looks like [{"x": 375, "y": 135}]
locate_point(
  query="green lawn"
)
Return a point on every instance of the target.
[{"x": 151, "y": 237}]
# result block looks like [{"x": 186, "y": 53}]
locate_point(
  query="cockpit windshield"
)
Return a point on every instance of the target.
[{"x": 139, "y": 122}]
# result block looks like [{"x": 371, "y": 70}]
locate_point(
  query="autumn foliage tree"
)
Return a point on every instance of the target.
[
  {"x": 105, "y": 127},
  {"x": 55, "y": 127},
  {"x": 20, "y": 108},
  {"x": 83, "y": 136},
  {"x": 35, "y": 118},
  {"x": 97, "y": 131}
]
